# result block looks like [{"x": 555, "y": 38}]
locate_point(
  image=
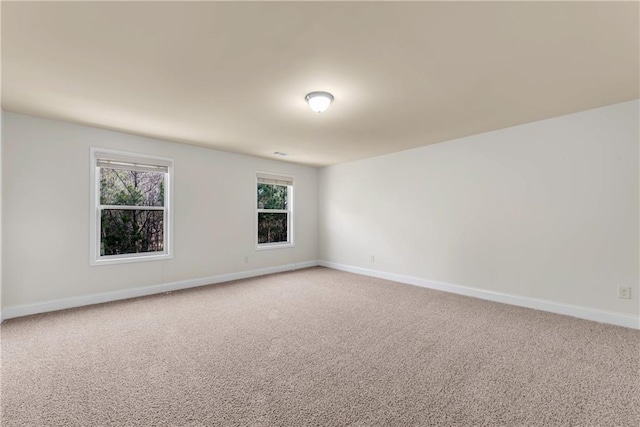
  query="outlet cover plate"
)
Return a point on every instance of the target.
[{"x": 624, "y": 292}]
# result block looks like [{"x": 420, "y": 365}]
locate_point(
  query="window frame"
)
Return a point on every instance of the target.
[
  {"x": 95, "y": 258},
  {"x": 290, "y": 243}
]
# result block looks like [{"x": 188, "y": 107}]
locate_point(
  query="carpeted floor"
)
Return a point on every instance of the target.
[{"x": 316, "y": 347}]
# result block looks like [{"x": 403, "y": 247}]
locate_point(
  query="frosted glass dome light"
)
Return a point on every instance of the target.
[{"x": 319, "y": 101}]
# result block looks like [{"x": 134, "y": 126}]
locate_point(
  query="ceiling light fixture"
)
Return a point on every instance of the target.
[{"x": 319, "y": 101}]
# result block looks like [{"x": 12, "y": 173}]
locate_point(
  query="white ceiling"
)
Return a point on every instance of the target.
[{"x": 233, "y": 76}]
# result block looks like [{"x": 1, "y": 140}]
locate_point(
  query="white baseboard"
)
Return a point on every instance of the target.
[
  {"x": 587, "y": 313},
  {"x": 64, "y": 303}
]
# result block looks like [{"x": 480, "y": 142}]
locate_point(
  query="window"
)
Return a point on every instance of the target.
[
  {"x": 130, "y": 207},
  {"x": 274, "y": 212}
]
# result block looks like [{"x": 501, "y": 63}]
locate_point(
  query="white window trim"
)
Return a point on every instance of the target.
[
  {"x": 95, "y": 259},
  {"x": 290, "y": 211}
]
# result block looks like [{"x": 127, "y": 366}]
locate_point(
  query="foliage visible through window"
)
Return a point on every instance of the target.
[
  {"x": 131, "y": 207},
  {"x": 274, "y": 213},
  {"x": 132, "y": 211}
]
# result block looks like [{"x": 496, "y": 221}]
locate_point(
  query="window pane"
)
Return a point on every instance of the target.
[
  {"x": 272, "y": 227},
  {"x": 132, "y": 188},
  {"x": 272, "y": 196},
  {"x": 131, "y": 231}
]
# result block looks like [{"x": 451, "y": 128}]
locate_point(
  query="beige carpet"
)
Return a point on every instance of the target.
[{"x": 316, "y": 347}]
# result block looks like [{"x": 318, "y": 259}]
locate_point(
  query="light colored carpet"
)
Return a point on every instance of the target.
[{"x": 316, "y": 347}]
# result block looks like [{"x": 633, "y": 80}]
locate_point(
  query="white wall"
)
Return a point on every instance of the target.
[
  {"x": 1, "y": 118},
  {"x": 45, "y": 169},
  {"x": 546, "y": 210}
]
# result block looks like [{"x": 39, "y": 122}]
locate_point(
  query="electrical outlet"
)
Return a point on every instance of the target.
[
  {"x": 373, "y": 258},
  {"x": 624, "y": 292},
  {"x": 246, "y": 259}
]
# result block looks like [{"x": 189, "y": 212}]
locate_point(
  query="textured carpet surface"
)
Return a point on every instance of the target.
[{"x": 316, "y": 347}]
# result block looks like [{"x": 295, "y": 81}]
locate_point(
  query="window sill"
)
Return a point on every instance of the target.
[
  {"x": 125, "y": 259},
  {"x": 266, "y": 246}
]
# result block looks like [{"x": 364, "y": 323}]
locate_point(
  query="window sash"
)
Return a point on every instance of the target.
[
  {"x": 273, "y": 211},
  {"x": 165, "y": 225},
  {"x": 134, "y": 207},
  {"x": 280, "y": 211}
]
